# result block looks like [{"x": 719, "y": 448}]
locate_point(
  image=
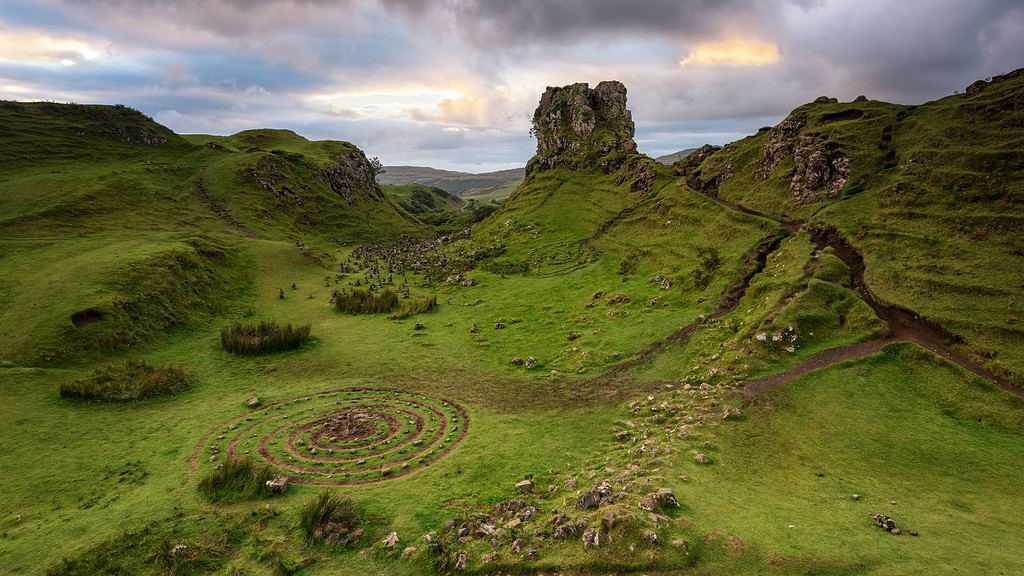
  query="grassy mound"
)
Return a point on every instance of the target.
[
  {"x": 413, "y": 307},
  {"x": 262, "y": 338},
  {"x": 132, "y": 381},
  {"x": 237, "y": 480},
  {"x": 366, "y": 302},
  {"x": 331, "y": 519}
]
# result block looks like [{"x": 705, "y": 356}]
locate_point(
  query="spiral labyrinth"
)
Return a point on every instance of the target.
[{"x": 347, "y": 436}]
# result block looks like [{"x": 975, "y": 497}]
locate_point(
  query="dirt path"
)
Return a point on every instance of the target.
[{"x": 904, "y": 325}]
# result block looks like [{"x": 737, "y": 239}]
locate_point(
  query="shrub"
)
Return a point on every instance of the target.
[
  {"x": 331, "y": 519},
  {"x": 709, "y": 263},
  {"x": 365, "y": 302},
  {"x": 413, "y": 307},
  {"x": 238, "y": 479},
  {"x": 131, "y": 381},
  {"x": 262, "y": 338}
]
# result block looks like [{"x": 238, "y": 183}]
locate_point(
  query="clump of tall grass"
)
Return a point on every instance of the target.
[
  {"x": 130, "y": 381},
  {"x": 262, "y": 338},
  {"x": 413, "y": 307},
  {"x": 331, "y": 519},
  {"x": 361, "y": 301},
  {"x": 237, "y": 479}
]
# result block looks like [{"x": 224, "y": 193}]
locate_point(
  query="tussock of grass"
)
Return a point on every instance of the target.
[
  {"x": 413, "y": 307},
  {"x": 331, "y": 519},
  {"x": 238, "y": 479},
  {"x": 131, "y": 381},
  {"x": 262, "y": 338},
  {"x": 366, "y": 302}
]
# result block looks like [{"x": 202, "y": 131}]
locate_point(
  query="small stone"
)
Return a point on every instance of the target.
[
  {"x": 680, "y": 543},
  {"x": 855, "y": 497},
  {"x": 391, "y": 540},
  {"x": 253, "y": 402},
  {"x": 591, "y": 538},
  {"x": 460, "y": 561},
  {"x": 489, "y": 557},
  {"x": 419, "y": 326},
  {"x": 524, "y": 485},
  {"x": 472, "y": 328},
  {"x": 408, "y": 551},
  {"x": 650, "y": 536},
  {"x": 569, "y": 484},
  {"x": 499, "y": 325},
  {"x": 277, "y": 485}
]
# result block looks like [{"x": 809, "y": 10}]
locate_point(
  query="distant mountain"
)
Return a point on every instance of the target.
[
  {"x": 675, "y": 156},
  {"x": 483, "y": 187}
]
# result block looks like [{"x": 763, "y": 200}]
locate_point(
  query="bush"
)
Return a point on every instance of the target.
[
  {"x": 413, "y": 307},
  {"x": 262, "y": 338},
  {"x": 365, "y": 302},
  {"x": 238, "y": 479},
  {"x": 132, "y": 381},
  {"x": 331, "y": 519}
]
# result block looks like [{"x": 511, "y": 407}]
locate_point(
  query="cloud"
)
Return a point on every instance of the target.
[
  {"x": 732, "y": 52},
  {"x": 453, "y": 83}
]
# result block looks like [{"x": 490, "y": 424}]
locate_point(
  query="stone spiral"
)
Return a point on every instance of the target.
[{"x": 345, "y": 436}]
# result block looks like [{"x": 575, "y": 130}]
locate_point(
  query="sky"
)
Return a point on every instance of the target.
[{"x": 453, "y": 83}]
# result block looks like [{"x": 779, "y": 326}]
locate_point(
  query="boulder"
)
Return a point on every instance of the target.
[
  {"x": 599, "y": 495},
  {"x": 524, "y": 485},
  {"x": 277, "y": 485}
]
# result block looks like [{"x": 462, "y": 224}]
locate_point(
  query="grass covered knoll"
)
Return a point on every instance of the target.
[
  {"x": 934, "y": 201},
  {"x": 263, "y": 338},
  {"x": 362, "y": 301},
  {"x": 332, "y": 519},
  {"x": 237, "y": 479},
  {"x": 130, "y": 381}
]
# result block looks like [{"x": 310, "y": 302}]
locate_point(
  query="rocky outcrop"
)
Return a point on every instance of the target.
[
  {"x": 781, "y": 141},
  {"x": 579, "y": 126},
  {"x": 820, "y": 169}
]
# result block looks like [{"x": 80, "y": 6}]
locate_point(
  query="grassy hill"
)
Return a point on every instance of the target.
[
  {"x": 114, "y": 217},
  {"x": 828, "y": 306}
]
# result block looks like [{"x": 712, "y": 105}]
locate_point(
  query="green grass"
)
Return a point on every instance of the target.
[
  {"x": 583, "y": 274},
  {"x": 236, "y": 479},
  {"x": 131, "y": 381},
  {"x": 263, "y": 338}
]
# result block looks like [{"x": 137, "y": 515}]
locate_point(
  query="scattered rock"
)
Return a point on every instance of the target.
[
  {"x": 489, "y": 557},
  {"x": 391, "y": 540},
  {"x": 460, "y": 561},
  {"x": 591, "y": 537},
  {"x": 569, "y": 484},
  {"x": 650, "y": 536},
  {"x": 524, "y": 485},
  {"x": 499, "y": 325},
  {"x": 598, "y": 495},
  {"x": 277, "y": 485},
  {"x": 531, "y": 362},
  {"x": 472, "y": 328},
  {"x": 253, "y": 402},
  {"x": 408, "y": 551}
]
